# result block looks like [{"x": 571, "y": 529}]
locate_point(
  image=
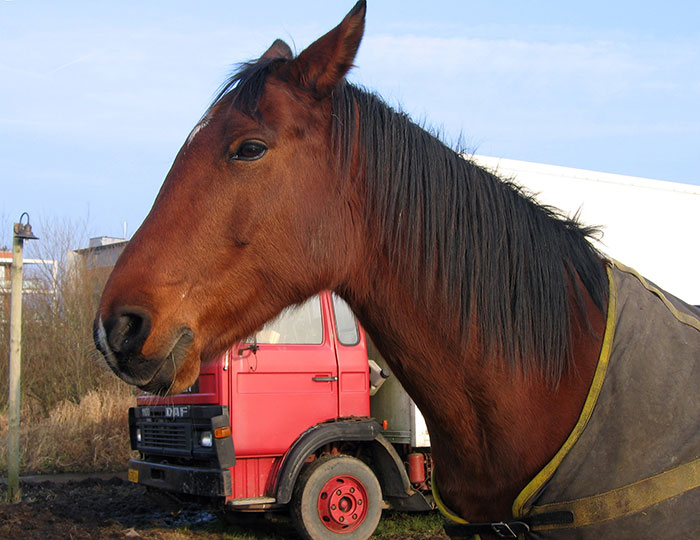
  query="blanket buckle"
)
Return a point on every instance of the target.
[{"x": 504, "y": 530}]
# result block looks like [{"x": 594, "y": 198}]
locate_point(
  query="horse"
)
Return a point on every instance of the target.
[{"x": 494, "y": 311}]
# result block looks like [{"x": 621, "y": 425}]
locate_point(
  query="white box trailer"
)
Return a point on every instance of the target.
[
  {"x": 391, "y": 406},
  {"x": 646, "y": 224}
]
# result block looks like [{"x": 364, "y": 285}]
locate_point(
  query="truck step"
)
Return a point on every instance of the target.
[{"x": 251, "y": 501}]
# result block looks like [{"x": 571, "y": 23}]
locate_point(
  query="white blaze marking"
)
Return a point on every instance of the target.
[
  {"x": 102, "y": 334},
  {"x": 102, "y": 338},
  {"x": 199, "y": 127}
]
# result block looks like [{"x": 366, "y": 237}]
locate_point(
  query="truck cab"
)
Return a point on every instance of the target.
[{"x": 282, "y": 420}]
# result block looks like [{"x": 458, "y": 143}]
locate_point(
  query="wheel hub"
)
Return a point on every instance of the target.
[{"x": 342, "y": 504}]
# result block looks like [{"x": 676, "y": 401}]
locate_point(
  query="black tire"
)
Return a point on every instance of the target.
[{"x": 336, "y": 497}]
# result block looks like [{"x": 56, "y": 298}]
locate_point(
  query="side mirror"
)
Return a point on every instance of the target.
[{"x": 252, "y": 347}]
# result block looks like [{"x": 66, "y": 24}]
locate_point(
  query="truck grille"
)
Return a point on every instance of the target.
[
  {"x": 173, "y": 431},
  {"x": 166, "y": 436}
]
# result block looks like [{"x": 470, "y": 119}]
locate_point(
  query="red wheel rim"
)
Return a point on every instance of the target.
[{"x": 342, "y": 504}]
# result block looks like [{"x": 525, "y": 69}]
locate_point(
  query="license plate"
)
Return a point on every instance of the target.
[{"x": 134, "y": 476}]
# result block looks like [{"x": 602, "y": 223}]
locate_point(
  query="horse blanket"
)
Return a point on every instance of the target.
[{"x": 631, "y": 467}]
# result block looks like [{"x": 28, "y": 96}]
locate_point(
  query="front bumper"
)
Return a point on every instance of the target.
[{"x": 187, "y": 480}]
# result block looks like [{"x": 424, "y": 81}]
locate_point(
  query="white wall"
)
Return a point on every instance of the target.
[{"x": 649, "y": 225}]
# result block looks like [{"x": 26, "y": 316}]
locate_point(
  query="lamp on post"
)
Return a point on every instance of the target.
[{"x": 21, "y": 232}]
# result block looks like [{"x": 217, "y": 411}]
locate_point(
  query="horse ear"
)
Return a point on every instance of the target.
[
  {"x": 324, "y": 63},
  {"x": 279, "y": 49}
]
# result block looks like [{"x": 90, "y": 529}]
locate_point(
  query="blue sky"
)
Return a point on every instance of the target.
[{"x": 96, "y": 97}]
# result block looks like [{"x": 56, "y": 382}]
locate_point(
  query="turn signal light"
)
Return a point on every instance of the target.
[{"x": 222, "y": 432}]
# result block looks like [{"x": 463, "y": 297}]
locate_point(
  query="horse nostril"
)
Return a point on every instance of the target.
[{"x": 127, "y": 330}]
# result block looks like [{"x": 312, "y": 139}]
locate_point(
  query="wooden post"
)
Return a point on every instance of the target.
[{"x": 14, "y": 495}]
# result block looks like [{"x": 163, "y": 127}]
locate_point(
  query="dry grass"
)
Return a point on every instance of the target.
[{"x": 91, "y": 435}]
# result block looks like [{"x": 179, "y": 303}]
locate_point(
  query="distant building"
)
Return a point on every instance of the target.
[
  {"x": 5, "y": 272},
  {"x": 31, "y": 284},
  {"x": 102, "y": 252},
  {"x": 98, "y": 259},
  {"x": 5, "y": 264}
]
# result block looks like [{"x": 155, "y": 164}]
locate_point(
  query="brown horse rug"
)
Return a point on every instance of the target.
[{"x": 631, "y": 467}]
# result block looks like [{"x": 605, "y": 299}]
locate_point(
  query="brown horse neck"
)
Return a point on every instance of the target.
[{"x": 492, "y": 430}]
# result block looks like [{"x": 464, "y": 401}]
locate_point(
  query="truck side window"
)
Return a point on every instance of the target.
[
  {"x": 296, "y": 325},
  {"x": 348, "y": 334}
]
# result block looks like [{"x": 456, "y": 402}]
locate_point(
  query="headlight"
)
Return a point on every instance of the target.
[
  {"x": 138, "y": 434},
  {"x": 205, "y": 439}
]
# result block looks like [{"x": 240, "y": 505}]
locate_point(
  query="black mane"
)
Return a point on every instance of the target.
[
  {"x": 491, "y": 249},
  {"x": 476, "y": 244}
]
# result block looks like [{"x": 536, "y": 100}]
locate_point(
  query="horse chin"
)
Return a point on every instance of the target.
[
  {"x": 177, "y": 371},
  {"x": 167, "y": 381},
  {"x": 162, "y": 384}
]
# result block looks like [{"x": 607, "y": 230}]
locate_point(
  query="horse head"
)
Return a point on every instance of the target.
[{"x": 244, "y": 223}]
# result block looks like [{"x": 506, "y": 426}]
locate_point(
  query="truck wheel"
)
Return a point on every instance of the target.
[{"x": 336, "y": 497}]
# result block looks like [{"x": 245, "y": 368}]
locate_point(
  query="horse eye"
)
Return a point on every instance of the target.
[{"x": 250, "y": 151}]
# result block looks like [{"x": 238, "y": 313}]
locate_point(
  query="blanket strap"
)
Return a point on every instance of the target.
[
  {"x": 625, "y": 500},
  {"x": 506, "y": 529}
]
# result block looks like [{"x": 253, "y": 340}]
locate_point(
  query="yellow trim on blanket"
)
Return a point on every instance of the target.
[
  {"x": 685, "y": 318},
  {"x": 449, "y": 514},
  {"x": 446, "y": 512},
  {"x": 545, "y": 474}
]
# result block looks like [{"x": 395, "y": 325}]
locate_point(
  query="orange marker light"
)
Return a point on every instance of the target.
[{"x": 222, "y": 432}]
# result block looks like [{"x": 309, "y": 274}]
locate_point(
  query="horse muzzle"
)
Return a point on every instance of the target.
[{"x": 121, "y": 337}]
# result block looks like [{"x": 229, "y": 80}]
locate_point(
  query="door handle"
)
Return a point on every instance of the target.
[{"x": 324, "y": 379}]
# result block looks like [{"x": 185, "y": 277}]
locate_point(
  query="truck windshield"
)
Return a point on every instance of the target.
[{"x": 296, "y": 325}]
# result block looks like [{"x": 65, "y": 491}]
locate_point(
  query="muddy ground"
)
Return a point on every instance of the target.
[{"x": 100, "y": 509}]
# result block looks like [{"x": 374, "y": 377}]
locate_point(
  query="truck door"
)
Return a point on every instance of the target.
[
  {"x": 288, "y": 384},
  {"x": 351, "y": 350}
]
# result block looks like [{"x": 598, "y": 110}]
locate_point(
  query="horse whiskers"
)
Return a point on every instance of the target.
[{"x": 171, "y": 358}]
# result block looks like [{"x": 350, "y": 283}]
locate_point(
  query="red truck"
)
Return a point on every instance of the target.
[{"x": 292, "y": 417}]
